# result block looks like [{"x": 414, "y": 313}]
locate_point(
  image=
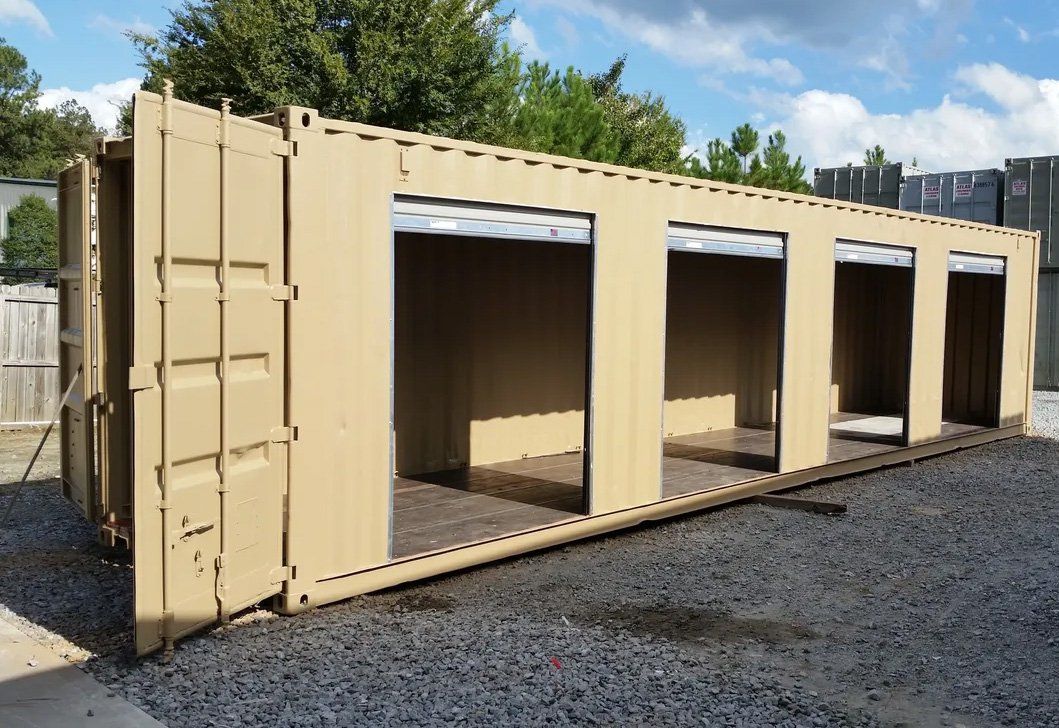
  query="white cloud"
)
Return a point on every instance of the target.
[
  {"x": 24, "y": 11},
  {"x": 691, "y": 39},
  {"x": 830, "y": 129},
  {"x": 740, "y": 37},
  {"x": 524, "y": 38},
  {"x": 1022, "y": 33},
  {"x": 101, "y": 100},
  {"x": 108, "y": 24},
  {"x": 567, "y": 31}
]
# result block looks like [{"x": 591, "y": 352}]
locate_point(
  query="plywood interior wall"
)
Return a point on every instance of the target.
[
  {"x": 490, "y": 350},
  {"x": 872, "y": 336},
  {"x": 973, "y": 340},
  {"x": 722, "y": 341}
]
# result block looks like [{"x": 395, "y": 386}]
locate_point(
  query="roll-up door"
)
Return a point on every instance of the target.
[
  {"x": 482, "y": 219},
  {"x": 972, "y": 263},
  {"x": 726, "y": 241},
  {"x": 873, "y": 253}
]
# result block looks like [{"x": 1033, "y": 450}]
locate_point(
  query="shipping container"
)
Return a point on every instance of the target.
[
  {"x": 1031, "y": 202},
  {"x": 976, "y": 195},
  {"x": 336, "y": 358},
  {"x": 878, "y": 185},
  {"x": 1046, "y": 361}
]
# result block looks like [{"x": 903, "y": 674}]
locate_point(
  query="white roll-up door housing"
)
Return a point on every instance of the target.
[
  {"x": 725, "y": 241},
  {"x": 483, "y": 219},
  {"x": 973, "y": 263},
  {"x": 849, "y": 251}
]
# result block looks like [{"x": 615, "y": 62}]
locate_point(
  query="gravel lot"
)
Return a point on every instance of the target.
[{"x": 934, "y": 601}]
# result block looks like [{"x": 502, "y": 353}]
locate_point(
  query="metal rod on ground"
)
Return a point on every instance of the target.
[
  {"x": 40, "y": 446},
  {"x": 800, "y": 504}
]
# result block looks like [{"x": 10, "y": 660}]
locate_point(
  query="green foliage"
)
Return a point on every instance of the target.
[
  {"x": 745, "y": 140},
  {"x": 32, "y": 235},
  {"x": 775, "y": 170},
  {"x": 876, "y": 156},
  {"x": 432, "y": 66},
  {"x": 648, "y": 135},
  {"x": 36, "y": 142},
  {"x": 772, "y": 168},
  {"x": 558, "y": 114}
]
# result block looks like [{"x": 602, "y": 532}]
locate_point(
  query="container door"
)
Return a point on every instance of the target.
[
  {"x": 726, "y": 241},
  {"x": 75, "y": 336},
  {"x": 208, "y": 366}
]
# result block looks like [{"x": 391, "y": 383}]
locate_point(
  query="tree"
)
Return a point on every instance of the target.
[
  {"x": 647, "y": 133},
  {"x": 875, "y": 157},
  {"x": 745, "y": 140},
  {"x": 722, "y": 163},
  {"x": 432, "y": 66},
  {"x": 32, "y": 235},
  {"x": 36, "y": 142},
  {"x": 772, "y": 168},
  {"x": 776, "y": 170},
  {"x": 558, "y": 114}
]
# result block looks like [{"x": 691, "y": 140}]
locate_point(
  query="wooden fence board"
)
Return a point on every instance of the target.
[{"x": 29, "y": 354}]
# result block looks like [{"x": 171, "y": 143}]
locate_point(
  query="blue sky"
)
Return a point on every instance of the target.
[{"x": 959, "y": 84}]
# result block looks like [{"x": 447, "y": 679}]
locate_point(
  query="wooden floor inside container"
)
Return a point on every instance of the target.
[{"x": 458, "y": 507}]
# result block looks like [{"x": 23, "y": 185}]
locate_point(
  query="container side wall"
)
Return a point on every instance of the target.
[{"x": 340, "y": 191}]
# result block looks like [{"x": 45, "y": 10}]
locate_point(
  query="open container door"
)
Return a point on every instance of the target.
[
  {"x": 75, "y": 335},
  {"x": 209, "y": 437}
]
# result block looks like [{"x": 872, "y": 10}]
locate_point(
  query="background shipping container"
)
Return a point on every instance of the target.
[
  {"x": 976, "y": 195},
  {"x": 866, "y": 184},
  {"x": 1030, "y": 192}
]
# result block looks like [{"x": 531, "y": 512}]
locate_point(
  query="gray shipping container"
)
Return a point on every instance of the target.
[
  {"x": 1046, "y": 356},
  {"x": 1031, "y": 202},
  {"x": 975, "y": 195},
  {"x": 868, "y": 184}
]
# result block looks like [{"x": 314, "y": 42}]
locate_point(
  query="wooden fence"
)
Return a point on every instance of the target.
[{"x": 29, "y": 354}]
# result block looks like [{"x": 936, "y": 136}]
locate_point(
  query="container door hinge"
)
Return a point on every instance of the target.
[
  {"x": 142, "y": 377},
  {"x": 283, "y": 147},
  {"x": 284, "y": 434},
  {"x": 280, "y": 292},
  {"x": 281, "y": 574}
]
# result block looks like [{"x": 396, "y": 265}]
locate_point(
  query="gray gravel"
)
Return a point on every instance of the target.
[{"x": 934, "y": 601}]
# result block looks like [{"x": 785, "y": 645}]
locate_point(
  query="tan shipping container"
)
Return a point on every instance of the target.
[{"x": 333, "y": 358}]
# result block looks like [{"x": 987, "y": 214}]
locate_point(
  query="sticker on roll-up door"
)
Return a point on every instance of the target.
[
  {"x": 931, "y": 192},
  {"x": 443, "y": 224},
  {"x": 963, "y": 189},
  {"x": 1018, "y": 186}
]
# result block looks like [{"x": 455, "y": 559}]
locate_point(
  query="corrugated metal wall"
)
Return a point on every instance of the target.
[
  {"x": 869, "y": 366},
  {"x": 722, "y": 342},
  {"x": 976, "y": 195},
  {"x": 973, "y": 337},
  {"x": 491, "y": 345}
]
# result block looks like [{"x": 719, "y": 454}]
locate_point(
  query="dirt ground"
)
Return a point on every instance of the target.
[{"x": 934, "y": 601}]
